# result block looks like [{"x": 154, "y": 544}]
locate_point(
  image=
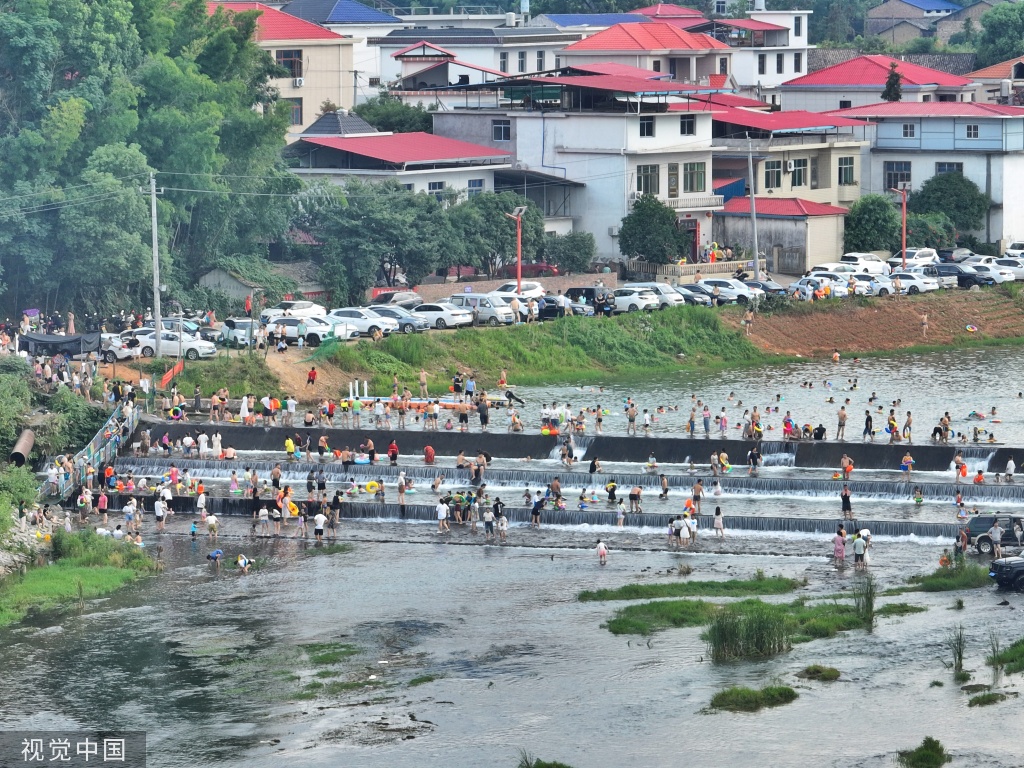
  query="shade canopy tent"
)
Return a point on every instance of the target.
[{"x": 50, "y": 345}]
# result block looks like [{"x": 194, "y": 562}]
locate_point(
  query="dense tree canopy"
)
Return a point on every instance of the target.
[
  {"x": 573, "y": 252},
  {"x": 954, "y": 195},
  {"x": 1002, "y": 34},
  {"x": 651, "y": 232},
  {"x": 873, "y": 224},
  {"x": 388, "y": 113}
]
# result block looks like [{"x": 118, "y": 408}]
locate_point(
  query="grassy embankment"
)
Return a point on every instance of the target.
[
  {"x": 240, "y": 373},
  {"x": 960, "y": 575},
  {"x": 738, "y": 699},
  {"x": 85, "y": 566},
  {"x": 573, "y": 349},
  {"x": 759, "y": 585}
]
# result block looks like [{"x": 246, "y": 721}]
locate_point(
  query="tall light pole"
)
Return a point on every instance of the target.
[
  {"x": 753, "y": 206},
  {"x": 517, "y": 215},
  {"x": 902, "y": 191},
  {"x": 157, "y": 321}
]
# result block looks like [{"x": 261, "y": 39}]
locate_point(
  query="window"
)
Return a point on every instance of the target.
[
  {"x": 896, "y": 172},
  {"x": 926, "y": 97},
  {"x": 762, "y": 63},
  {"x": 800, "y": 173},
  {"x": 501, "y": 130},
  {"x": 721, "y": 7},
  {"x": 693, "y": 177},
  {"x": 646, "y": 127},
  {"x": 948, "y": 168},
  {"x": 476, "y": 186},
  {"x": 973, "y": 131},
  {"x": 780, "y": 63},
  {"x": 647, "y": 179},
  {"x": 436, "y": 188},
  {"x": 540, "y": 61},
  {"x": 723, "y": 65},
  {"x": 657, "y": 65},
  {"x": 673, "y": 180},
  {"x": 558, "y": 62},
  {"x": 522, "y": 61},
  {"x": 409, "y": 187},
  {"x": 846, "y": 171},
  {"x": 845, "y": 103},
  {"x": 909, "y": 130},
  {"x": 296, "y": 108},
  {"x": 503, "y": 61},
  {"x": 290, "y": 60},
  {"x": 772, "y": 174},
  {"x": 687, "y": 125},
  {"x": 798, "y": 62},
  {"x": 798, "y": 26},
  {"x": 814, "y": 173},
  {"x": 374, "y": 82}
]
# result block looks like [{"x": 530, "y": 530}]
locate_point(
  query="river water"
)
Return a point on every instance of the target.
[{"x": 211, "y": 663}]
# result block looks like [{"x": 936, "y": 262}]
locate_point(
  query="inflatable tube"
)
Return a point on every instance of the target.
[
  {"x": 410, "y": 490},
  {"x": 372, "y": 487},
  {"x": 944, "y": 561},
  {"x": 971, "y": 328},
  {"x": 362, "y": 458}
]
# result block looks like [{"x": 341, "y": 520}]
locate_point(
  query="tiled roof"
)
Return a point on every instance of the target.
[
  {"x": 1001, "y": 71},
  {"x": 590, "y": 19},
  {"x": 339, "y": 124},
  {"x": 302, "y": 272},
  {"x": 953, "y": 63},
  {"x": 782, "y": 206},
  {"x": 873, "y": 70},
  {"x": 667, "y": 10},
  {"x": 933, "y": 5},
  {"x": 655, "y": 36},
  {"x": 275, "y": 25},
  {"x": 782, "y": 122},
  {"x": 718, "y": 81},
  {"x": 930, "y": 109},
  {"x": 424, "y": 45},
  {"x": 884, "y": 25},
  {"x": 416, "y": 147}
]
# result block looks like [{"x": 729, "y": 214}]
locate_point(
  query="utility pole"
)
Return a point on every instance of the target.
[
  {"x": 753, "y": 206},
  {"x": 157, "y": 320}
]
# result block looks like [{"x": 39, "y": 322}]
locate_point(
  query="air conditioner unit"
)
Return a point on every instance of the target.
[
  {"x": 298, "y": 82},
  {"x": 790, "y": 165},
  {"x": 634, "y": 196},
  {"x": 613, "y": 231}
]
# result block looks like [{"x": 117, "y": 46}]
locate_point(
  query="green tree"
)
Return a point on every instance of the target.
[
  {"x": 1002, "y": 35},
  {"x": 872, "y": 224},
  {"x": 893, "y": 85},
  {"x": 651, "y": 232},
  {"x": 573, "y": 252},
  {"x": 968, "y": 35},
  {"x": 920, "y": 45},
  {"x": 954, "y": 195},
  {"x": 837, "y": 22},
  {"x": 496, "y": 239},
  {"x": 930, "y": 230},
  {"x": 388, "y": 113}
]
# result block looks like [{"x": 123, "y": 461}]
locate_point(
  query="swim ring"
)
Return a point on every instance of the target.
[
  {"x": 362, "y": 458},
  {"x": 971, "y": 328},
  {"x": 372, "y": 487}
]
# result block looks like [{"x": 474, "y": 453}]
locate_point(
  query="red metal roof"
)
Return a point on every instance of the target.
[
  {"x": 616, "y": 83},
  {"x": 423, "y": 44},
  {"x": 688, "y": 22},
  {"x": 416, "y": 147},
  {"x": 783, "y": 206},
  {"x": 667, "y": 10},
  {"x": 791, "y": 120},
  {"x": 930, "y": 109},
  {"x": 275, "y": 25},
  {"x": 610, "y": 68},
  {"x": 751, "y": 24},
  {"x": 653, "y": 36},
  {"x": 724, "y": 99},
  {"x": 873, "y": 71}
]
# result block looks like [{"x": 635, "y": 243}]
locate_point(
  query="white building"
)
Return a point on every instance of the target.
[{"x": 912, "y": 142}]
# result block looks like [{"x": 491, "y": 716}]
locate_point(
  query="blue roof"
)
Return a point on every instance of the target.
[
  {"x": 594, "y": 19},
  {"x": 933, "y": 5},
  {"x": 351, "y": 12}
]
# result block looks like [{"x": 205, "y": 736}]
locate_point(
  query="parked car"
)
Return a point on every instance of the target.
[
  {"x": 407, "y": 299},
  {"x": 931, "y": 270},
  {"x": 979, "y": 258},
  {"x": 408, "y": 321},
  {"x": 192, "y": 329},
  {"x": 368, "y": 321},
  {"x": 443, "y": 315},
  {"x": 954, "y": 255},
  {"x": 114, "y": 349},
  {"x": 583, "y": 294},
  {"x": 489, "y": 309},
  {"x": 703, "y": 290},
  {"x": 768, "y": 286},
  {"x": 979, "y": 526},
  {"x": 531, "y": 290},
  {"x": 547, "y": 309},
  {"x": 805, "y": 288},
  {"x": 914, "y": 284},
  {"x": 667, "y": 295},
  {"x": 1016, "y": 266},
  {"x": 524, "y": 303},
  {"x": 915, "y": 257},
  {"x": 299, "y": 308},
  {"x": 876, "y": 285},
  {"x": 170, "y": 343},
  {"x": 997, "y": 273},
  {"x": 1008, "y": 572},
  {"x": 536, "y": 269},
  {"x": 343, "y": 330},
  {"x": 1015, "y": 249},
  {"x": 693, "y": 297},
  {"x": 238, "y": 330},
  {"x": 730, "y": 287},
  {"x": 868, "y": 263},
  {"x": 842, "y": 280},
  {"x": 317, "y": 329},
  {"x": 634, "y": 299},
  {"x": 964, "y": 274},
  {"x": 835, "y": 266}
]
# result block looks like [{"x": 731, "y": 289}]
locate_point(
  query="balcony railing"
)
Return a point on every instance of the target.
[
  {"x": 783, "y": 141},
  {"x": 691, "y": 203}
]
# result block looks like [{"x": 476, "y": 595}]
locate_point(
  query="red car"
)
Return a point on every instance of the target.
[{"x": 536, "y": 269}]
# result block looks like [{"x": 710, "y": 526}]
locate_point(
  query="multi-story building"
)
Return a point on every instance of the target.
[
  {"x": 594, "y": 143},
  {"x": 912, "y": 142},
  {"x": 1001, "y": 83},
  {"x": 319, "y": 62},
  {"x": 861, "y": 81},
  {"x": 891, "y": 12}
]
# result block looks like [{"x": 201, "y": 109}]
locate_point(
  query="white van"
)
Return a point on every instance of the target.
[
  {"x": 667, "y": 295},
  {"x": 485, "y": 308}
]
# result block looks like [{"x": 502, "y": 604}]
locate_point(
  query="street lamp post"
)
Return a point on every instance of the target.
[
  {"x": 517, "y": 215},
  {"x": 902, "y": 191}
]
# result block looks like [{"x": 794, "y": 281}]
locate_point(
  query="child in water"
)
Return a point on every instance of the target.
[{"x": 602, "y": 552}]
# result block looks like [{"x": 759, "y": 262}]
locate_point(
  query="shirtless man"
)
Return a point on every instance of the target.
[
  {"x": 634, "y": 498},
  {"x": 631, "y": 420},
  {"x": 841, "y": 428},
  {"x": 698, "y": 492}
]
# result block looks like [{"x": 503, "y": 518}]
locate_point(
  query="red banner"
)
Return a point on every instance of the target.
[{"x": 177, "y": 368}]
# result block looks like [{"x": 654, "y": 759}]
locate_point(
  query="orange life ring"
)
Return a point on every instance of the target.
[{"x": 944, "y": 561}]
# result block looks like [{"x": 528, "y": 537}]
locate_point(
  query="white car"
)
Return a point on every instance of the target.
[
  {"x": 916, "y": 257},
  {"x": 238, "y": 330},
  {"x": 929, "y": 271},
  {"x": 997, "y": 273},
  {"x": 170, "y": 342},
  {"x": 667, "y": 295},
  {"x": 300, "y": 308},
  {"x": 1016, "y": 266},
  {"x": 913, "y": 284},
  {"x": 366, "y": 320},
  {"x": 443, "y": 315},
  {"x": 531, "y": 290},
  {"x": 842, "y": 280},
  {"x": 342, "y": 329},
  {"x": 806, "y": 286},
  {"x": 979, "y": 258},
  {"x": 115, "y": 348},
  {"x": 1015, "y": 249},
  {"x": 731, "y": 289},
  {"x": 868, "y": 263},
  {"x": 876, "y": 285},
  {"x": 317, "y": 330},
  {"x": 835, "y": 266},
  {"x": 634, "y": 299}
]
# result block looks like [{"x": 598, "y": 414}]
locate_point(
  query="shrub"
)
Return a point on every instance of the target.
[
  {"x": 756, "y": 632},
  {"x": 930, "y": 754},
  {"x": 740, "y": 699}
]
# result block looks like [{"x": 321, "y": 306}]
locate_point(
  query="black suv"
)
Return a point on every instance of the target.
[
  {"x": 978, "y": 528},
  {"x": 1008, "y": 572},
  {"x": 964, "y": 278}
]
